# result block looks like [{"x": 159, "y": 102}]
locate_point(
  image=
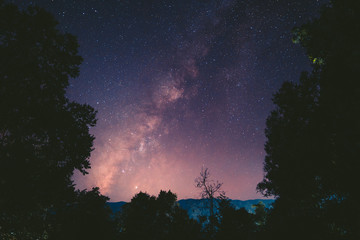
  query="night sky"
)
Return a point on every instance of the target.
[{"x": 179, "y": 85}]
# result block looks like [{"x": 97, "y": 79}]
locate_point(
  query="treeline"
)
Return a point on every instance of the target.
[
  {"x": 312, "y": 149},
  {"x": 161, "y": 217}
]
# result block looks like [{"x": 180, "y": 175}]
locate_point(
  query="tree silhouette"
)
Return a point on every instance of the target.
[
  {"x": 44, "y": 137},
  {"x": 313, "y": 134},
  {"x": 234, "y": 223},
  {"x": 87, "y": 217},
  {"x": 150, "y": 217},
  {"x": 210, "y": 190},
  {"x": 260, "y": 214},
  {"x": 138, "y": 217}
]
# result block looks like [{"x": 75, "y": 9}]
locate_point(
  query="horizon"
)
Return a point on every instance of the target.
[
  {"x": 179, "y": 199},
  {"x": 205, "y": 199}
]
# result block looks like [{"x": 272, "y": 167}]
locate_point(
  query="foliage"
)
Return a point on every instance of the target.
[
  {"x": 44, "y": 137},
  {"x": 87, "y": 217},
  {"x": 234, "y": 223},
  {"x": 260, "y": 215},
  {"x": 159, "y": 217},
  {"x": 313, "y": 143}
]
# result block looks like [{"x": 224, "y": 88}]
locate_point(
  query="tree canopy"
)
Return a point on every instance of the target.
[
  {"x": 44, "y": 136},
  {"x": 150, "y": 217},
  {"x": 313, "y": 146}
]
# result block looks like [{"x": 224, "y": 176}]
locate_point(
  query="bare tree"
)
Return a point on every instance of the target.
[{"x": 210, "y": 190}]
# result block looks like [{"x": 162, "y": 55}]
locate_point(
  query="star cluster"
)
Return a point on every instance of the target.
[{"x": 179, "y": 85}]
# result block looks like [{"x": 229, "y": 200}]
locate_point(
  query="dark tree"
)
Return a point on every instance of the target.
[
  {"x": 313, "y": 146},
  {"x": 210, "y": 190},
  {"x": 260, "y": 215},
  {"x": 44, "y": 137},
  {"x": 150, "y": 217},
  {"x": 87, "y": 217},
  {"x": 138, "y": 217},
  {"x": 234, "y": 223}
]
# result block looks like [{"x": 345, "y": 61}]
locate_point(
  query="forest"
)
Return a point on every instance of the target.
[{"x": 312, "y": 145}]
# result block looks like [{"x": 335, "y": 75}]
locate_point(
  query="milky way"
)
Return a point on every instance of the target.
[{"x": 179, "y": 85}]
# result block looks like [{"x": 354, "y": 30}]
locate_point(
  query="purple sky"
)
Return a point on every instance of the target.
[{"x": 179, "y": 85}]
